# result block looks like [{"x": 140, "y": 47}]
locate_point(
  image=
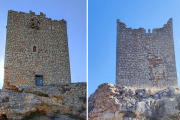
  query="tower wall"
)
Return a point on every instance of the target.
[
  {"x": 35, "y": 45},
  {"x": 145, "y": 60}
]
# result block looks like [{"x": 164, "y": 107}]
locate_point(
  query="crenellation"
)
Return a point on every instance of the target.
[
  {"x": 123, "y": 27},
  {"x": 145, "y": 59}
]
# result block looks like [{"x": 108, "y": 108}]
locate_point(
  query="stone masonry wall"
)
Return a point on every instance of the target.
[
  {"x": 145, "y": 60},
  {"x": 35, "y": 45}
]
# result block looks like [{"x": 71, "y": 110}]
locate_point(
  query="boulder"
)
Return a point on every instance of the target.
[
  {"x": 58, "y": 102},
  {"x": 133, "y": 104}
]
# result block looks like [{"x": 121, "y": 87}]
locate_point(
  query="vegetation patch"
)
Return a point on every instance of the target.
[
  {"x": 38, "y": 93},
  {"x": 21, "y": 90},
  {"x": 67, "y": 85},
  {"x": 6, "y": 99},
  {"x": 42, "y": 94},
  {"x": 53, "y": 85},
  {"x": 31, "y": 116}
]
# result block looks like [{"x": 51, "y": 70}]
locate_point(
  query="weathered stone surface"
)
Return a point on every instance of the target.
[
  {"x": 35, "y": 46},
  {"x": 145, "y": 60},
  {"x": 112, "y": 102},
  {"x": 60, "y": 101}
]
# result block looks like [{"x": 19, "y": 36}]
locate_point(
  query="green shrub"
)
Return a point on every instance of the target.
[
  {"x": 5, "y": 99},
  {"x": 42, "y": 94},
  {"x": 53, "y": 85},
  {"x": 31, "y": 116},
  {"x": 38, "y": 93},
  {"x": 21, "y": 90}
]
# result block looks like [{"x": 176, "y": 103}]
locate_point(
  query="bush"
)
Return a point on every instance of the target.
[
  {"x": 42, "y": 94},
  {"x": 21, "y": 90},
  {"x": 38, "y": 93},
  {"x": 5, "y": 99},
  {"x": 31, "y": 116}
]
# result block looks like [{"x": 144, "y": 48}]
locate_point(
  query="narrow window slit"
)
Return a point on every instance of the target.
[{"x": 34, "y": 49}]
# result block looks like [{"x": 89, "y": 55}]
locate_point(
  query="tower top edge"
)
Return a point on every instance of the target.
[
  {"x": 169, "y": 22},
  {"x": 32, "y": 13}
]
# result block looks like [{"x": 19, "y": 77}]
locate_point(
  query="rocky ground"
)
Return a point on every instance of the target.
[
  {"x": 111, "y": 102},
  {"x": 55, "y": 102}
]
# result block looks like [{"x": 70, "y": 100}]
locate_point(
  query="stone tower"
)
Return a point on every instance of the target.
[
  {"x": 36, "y": 51},
  {"x": 145, "y": 60}
]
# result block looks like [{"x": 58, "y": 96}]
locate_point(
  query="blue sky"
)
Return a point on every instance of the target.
[
  {"x": 102, "y": 16},
  {"x": 73, "y": 11}
]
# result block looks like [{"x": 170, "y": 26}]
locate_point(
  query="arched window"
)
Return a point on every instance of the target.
[{"x": 34, "y": 49}]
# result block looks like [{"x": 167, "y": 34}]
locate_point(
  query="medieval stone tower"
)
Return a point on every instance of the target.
[
  {"x": 36, "y": 51},
  {"x": 145, "y": 60}
]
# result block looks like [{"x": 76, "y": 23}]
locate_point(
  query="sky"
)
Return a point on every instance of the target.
[
  {"x": 73, "y": 11},
  {"x": 102, "y": 17}
]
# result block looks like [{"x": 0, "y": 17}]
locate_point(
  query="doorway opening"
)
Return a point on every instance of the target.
[{"x": 39, "y": 80}]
